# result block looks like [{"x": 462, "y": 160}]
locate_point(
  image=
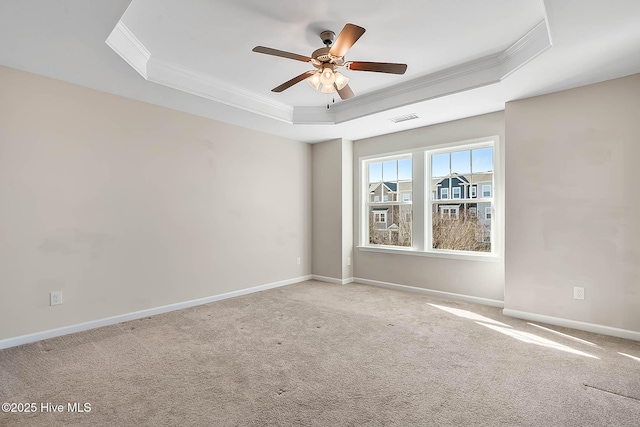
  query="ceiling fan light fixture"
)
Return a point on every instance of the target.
[
  {"x": 341, "y": 81},
  {"x": 328, "y": 77},
  {"x": 314, "y": 81},
  {"x": 327, "y": 88}
]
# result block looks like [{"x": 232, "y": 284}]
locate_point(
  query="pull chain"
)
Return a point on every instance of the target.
[{"x": 333, "y": 101}]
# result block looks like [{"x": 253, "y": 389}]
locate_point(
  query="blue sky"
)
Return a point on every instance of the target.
[
  {"x": 478, "y": 160},
  {"x": 392, "y": 170}
]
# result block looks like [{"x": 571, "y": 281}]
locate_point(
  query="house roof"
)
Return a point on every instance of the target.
[
  {"x": 476, "y": 178},
  {"x": 391, "y": 186}
]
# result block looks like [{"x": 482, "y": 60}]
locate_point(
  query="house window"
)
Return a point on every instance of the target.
[
  {"x": 389, "y": 222},
  {"x": 449, "y": 212},
  {"x": 487, "y": 212},
  {"x": 444, "y": 193},
  {"x": 380, "y": 217},
  {"x": 469, "y": 164}
]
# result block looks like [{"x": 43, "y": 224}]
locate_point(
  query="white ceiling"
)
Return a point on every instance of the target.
[{"x": 464, "y": 57}]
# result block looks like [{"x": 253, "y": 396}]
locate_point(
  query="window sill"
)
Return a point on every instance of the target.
[{"x": 466, "y": 256}]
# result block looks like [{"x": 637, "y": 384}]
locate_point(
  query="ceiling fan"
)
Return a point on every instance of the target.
[{"x": 328, "y": 59}]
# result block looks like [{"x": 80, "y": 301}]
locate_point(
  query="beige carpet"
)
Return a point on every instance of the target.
[{"x": 317, "y": 354}]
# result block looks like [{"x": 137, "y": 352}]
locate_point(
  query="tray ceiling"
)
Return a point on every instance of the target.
[{"x": 464, "y": 57}]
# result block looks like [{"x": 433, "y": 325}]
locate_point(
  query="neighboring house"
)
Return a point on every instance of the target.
[
  {"x": 460, "y": 187},
  {"x": 391, "y": 223}
]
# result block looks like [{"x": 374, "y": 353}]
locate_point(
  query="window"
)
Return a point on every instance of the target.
[
  {"x": 389, "y": 222},
  {"x": 470, "y": 164},
  {"x": 458, "y": 207},
  {"x": 487, "y": 213},
  {"x": 449, "y": 212},
  {"x": 380, "y": 217}
]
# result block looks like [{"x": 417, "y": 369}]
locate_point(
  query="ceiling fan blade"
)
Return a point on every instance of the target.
[
  {"x": 297, "y": 79},
  {"x": 345, "y": 92},
  {"x": 378, "y": 67},
  {"x": 281, "y": 53},
  {"x": 347, "y": 38}
]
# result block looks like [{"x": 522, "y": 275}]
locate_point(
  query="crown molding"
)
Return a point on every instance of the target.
[
  {"x": 129, "y": 47},
  {"x": 532, "y": 44},
  {"x": 125, "y": 43},
  {"x": 203, "y": 85},
  {"x": 481, "y": 72},
  {"x": 470, "y": 75}
]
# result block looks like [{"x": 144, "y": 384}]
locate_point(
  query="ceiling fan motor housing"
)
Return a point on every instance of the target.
[
  {"x": 328, "y": 37},
  {"x": 321, "y": 55}
]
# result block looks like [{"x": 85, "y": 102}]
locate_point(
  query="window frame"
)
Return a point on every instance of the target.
[{"x": 422, "y": 196}]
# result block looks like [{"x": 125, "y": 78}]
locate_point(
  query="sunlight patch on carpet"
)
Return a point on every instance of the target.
[
  {"x": 534, "y": 339},
  {"x": 564, "y": 335},
  {"x": 468, "y": 315},
  {"x": 630, "y": 356}
]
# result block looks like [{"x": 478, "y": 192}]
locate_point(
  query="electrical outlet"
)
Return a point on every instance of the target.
[
  {"x": 578, "y": 292},
  {"x": 55, "y": 298},
  {"x": 298, "y": 260},
  {"x": 349, "y": 261}
]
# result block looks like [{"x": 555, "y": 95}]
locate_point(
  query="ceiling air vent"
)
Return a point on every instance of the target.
[{"x": 404, "y": 118}]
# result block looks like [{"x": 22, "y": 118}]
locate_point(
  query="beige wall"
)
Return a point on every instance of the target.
[
  {"x": 332, "y": 243},
  {"x": 126, "y": 206},
  {"x": 472, "y": 278},
  {"x": 572, "y": 204}
]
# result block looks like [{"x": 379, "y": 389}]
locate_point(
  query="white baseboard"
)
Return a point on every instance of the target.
[
  {"x": 332, "y": 279},
  {"x": 65, "y": 330},
  {"x": 431, "y": 292},
  {"x": 574, "y": 324}
]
